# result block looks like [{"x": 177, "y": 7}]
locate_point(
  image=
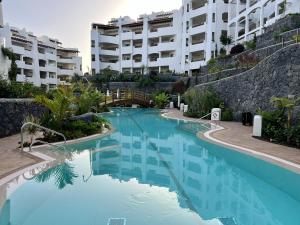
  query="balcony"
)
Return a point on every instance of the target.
[
  {"x": 109, "y": 52},
  {"x": 162, "y": 32},
  {"x": 109, "y": 39},
  {"x": 113, "y": 66},
  {"x": 18, "y": 50},
  {"x": 126, "y": 63},
  {"x": 198, "y": 29},
  {"x": 68, "y": 72},
  {"x": 68, "y": 60},
  {"x": 51, "y": 56},
  {"x": 167, "y": 46}
]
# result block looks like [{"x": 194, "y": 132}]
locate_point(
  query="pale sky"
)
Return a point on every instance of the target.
[{"x": 70, "y": 20}]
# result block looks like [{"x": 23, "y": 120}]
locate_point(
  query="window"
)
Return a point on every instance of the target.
[
  {"x": 93, "y": 71},
  {"x": 187, "y": 42},
  {"x": 213, "y": 17},
  {"x": 93, "y": 44},
  {"x": 93, "y": 58},
  {"x": 213, "y": 36},
  {"x": 187, "y": 25},
  {"x": 188, "y": 7}
]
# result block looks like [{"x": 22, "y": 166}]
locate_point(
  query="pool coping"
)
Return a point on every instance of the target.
[
  {"x": 207, "y": 136},
  {"x": 45, "y": 159}
]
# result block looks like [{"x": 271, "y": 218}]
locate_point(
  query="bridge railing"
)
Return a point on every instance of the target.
[{"x": 125, "y": 94}]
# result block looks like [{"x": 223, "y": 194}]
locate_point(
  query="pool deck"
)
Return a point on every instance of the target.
[
  {"x": 11, "y": 158},
  {"x": 239, "y": 137}
]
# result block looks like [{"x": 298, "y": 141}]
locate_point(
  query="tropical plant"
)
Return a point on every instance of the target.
[
  {"x": 87, "y": 98},
  {"x": 286, "y": 104},
  {"x": 61, "y": 105},
  {"x": 161, "y": 100}
]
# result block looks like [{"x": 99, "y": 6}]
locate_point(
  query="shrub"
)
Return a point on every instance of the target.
[
  {"x": 213, "y": 66},
  {"x": 18, "y": 90},
  {"x": 239, "y": 48},
  {"x": 250, "y": 45},
  {"x": 274, "y": 125},
  {"x": 225, "y": 40},
  {"x": 296, "y": 38},
  {"x": 200, "y": 104},
  {"x": 161, "y": 100},
  {"x": 179, "y": 87},
  {"x": 227, "y": 115}
]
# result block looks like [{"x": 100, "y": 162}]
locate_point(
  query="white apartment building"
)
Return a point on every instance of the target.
[
  {"x": 41, "y": 60},
  {"x": 180, "y": 41},
  {"x": 249, "y": 17}
]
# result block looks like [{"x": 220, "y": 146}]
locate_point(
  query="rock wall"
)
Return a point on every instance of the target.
[
  {"x": 277, "y": 75},
  {"x": 159, "y": 86},
  {"x": 13, "y": 113},
  {"x": 269, "y": 36}
]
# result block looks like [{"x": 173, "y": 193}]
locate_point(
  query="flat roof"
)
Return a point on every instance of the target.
[{"x": 103, "y": 26}]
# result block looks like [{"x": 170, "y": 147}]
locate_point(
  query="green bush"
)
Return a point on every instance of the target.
[
  {"x": 274, "y": 125},
  {"x": 161, "y": 100},
  {"x": 18, "y": 90},
  {"x": 227, "y": 115},
  {"x": 200, "y": 104}
]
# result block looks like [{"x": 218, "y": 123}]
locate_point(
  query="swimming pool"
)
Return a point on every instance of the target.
[{"x": 154, "y": 171}]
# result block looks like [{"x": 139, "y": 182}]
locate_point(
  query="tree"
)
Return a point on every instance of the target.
[{"x": 225, "y": 40}]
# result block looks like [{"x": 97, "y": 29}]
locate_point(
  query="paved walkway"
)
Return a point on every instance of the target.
[
  {"x": 237, "y": 134},
  {"x": 11, "y": 158}
]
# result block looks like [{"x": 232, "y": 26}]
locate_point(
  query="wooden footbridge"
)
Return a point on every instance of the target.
[{"x": 128, "y": 98}]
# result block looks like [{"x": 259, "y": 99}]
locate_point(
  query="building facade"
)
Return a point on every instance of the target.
[
  {"x": 41, "y": 60},
  {"x": 249, "y": 17},
  {"x": 178, "y": 41}
]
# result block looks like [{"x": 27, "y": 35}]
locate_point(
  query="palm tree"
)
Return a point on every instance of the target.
[
  {"x": 60, "y": 104},
  {"x": 286, "y": 104}
]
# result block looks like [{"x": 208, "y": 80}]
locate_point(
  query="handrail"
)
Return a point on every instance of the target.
[
  {"x": 40, "y": 127},
  {"x": 205, "y": 116}
]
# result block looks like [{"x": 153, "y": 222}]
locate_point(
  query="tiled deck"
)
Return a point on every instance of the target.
[
  {"x": 11, "y": 158},
  {"x": 237, "y": 134}
]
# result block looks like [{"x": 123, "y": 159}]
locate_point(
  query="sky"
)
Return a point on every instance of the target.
[{"x": 70, "y": 20}]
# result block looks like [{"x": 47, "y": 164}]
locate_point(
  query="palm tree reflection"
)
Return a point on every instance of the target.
[{"x": 63, "y": 175}]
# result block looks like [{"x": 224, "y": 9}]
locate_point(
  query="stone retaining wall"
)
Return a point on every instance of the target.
[
  {"x": 277, "y": 75},
  {"x": 159, "y": 86},
  {"x": 14, "y": 111}
]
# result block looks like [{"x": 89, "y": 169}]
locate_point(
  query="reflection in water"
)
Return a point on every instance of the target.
[
  {"x": 140, "y": 169},
  {"x": 63, "y": 175}
]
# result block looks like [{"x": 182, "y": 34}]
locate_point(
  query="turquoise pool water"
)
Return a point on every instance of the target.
[{"x": 154, "y": 171}]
